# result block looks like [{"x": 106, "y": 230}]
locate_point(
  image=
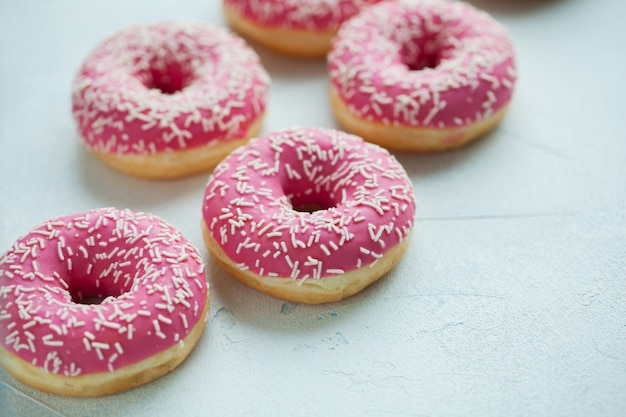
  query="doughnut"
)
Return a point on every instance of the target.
[
  {"x": 300, "y": 28},
  {"x": 421, "y": 76},
  {"x": 169, "y": 99},
  {"x": 308, "y": 215},
  {"x": 99, "y": 302}
]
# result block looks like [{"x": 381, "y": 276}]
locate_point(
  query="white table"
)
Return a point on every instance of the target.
[{"x": 510, "y": 301}]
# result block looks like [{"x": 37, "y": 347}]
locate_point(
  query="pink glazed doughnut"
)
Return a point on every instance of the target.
[
  {"x": 421, "y": 76},
  {"x": 169, "y": 99},
  {"x": 301, "y": 28},
  {"x": 308, "y": 215},
  {"x": 99, "y": 302}
]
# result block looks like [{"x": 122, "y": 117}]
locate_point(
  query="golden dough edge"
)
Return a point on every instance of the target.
[
  {"x": 171, "y": 165},
  {"x": 105, "y": 383},
  {"x": 294, "y": 42},
  {"x": 411, "y": 139},
  {"x": 310, "y": 291}
]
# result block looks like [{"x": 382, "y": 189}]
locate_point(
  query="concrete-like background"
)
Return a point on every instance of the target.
[{"x": 510, "y": 301}]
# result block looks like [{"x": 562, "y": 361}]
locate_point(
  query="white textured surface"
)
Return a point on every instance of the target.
[{"x": 511, "y": 300}]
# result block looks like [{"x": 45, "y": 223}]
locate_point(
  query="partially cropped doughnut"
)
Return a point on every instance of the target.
[
  {"x": 421, "y": 75},
  {"x": 99, "y": 302},
  {"x": 169, "y": 99},
  {"x": 308, "y": 215},
  {"x": 303, "y": 28}
]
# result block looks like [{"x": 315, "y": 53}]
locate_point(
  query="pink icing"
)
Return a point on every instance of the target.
[
  {"x": 151, "y": 278},
  {"x": 168, "y": 86},
  {"x": 364, "y": 195},
  {"x": 423, "y": 64},
  {"x": 314, "y": 15}
]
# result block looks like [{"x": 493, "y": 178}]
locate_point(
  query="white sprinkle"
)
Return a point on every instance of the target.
[{"x": 164, "y": 319}]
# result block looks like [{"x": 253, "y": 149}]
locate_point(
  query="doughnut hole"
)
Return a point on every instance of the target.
[
  {"x": 421, "y": 61},
  {"x": 83, "y": 290},
  {"x": 166, "y": 75},
  {"x": 311, "y": 202},
  {"x": 92, "y": 279},
  {"x": 79, "y": 298},
  {"x": 419, "y": 52},
  {"x": 419, "y": 41},
  {"x": 314, "y": 188},
  {"x": 305, "y": 197}
]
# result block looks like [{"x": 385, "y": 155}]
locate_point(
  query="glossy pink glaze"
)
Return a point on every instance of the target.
[
  {"x": 166, "y": 87},
  {"x": 313, "y": 15},
  {"x": 151, "y": 278},
  {"x": 423, "y": 64},
  {"x": 366, "y": 200}
]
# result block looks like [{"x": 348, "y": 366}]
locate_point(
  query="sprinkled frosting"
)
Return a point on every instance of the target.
[
  {"x": 168, "y": 86},
  {"x": 150, "y": 281},
  {"x": 363, "y": 197},
  {"x": 423, "y": 64},
  {"x": 314, "y": 15}
]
